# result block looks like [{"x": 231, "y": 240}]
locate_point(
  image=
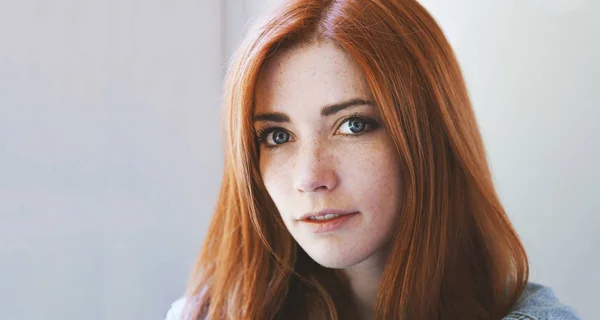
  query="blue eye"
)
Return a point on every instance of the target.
[
  {"x": 271, "y": 137},
  {"x": 357, "y": 125},
  {"x": 354, "y": 125},
  {"x": 280, "y": 137}
]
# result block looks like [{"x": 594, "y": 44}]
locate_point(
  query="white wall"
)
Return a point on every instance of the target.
[
  {"x": 110, "y": 155},
  {"x": 533, "y": 74}
]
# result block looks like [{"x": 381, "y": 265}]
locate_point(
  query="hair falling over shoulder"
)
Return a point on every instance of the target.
[{"x": 455, "y": 254}]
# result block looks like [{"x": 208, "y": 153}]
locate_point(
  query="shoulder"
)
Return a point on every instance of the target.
[
  {"x": 183, "y": 307},
  {"x": 176, "y": 310},
  {"x": 539, "y": 302}
]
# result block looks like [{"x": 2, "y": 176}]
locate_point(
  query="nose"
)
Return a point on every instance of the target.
[{"x": 314, "y": 170}]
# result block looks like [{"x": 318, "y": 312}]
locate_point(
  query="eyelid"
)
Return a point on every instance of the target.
[{"x": 372, "y": 123}]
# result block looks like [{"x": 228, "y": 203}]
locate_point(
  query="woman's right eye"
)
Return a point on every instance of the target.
[{"x": 272, "y": 137}]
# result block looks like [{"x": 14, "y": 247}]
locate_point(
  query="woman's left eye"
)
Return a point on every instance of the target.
[{"x": 355, "y": 125}]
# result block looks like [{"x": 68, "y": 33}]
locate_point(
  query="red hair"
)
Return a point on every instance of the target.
[{"x": 455, "y": 254}]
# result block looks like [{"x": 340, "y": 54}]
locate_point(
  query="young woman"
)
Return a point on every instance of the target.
[{"x": 355, "y": 181}]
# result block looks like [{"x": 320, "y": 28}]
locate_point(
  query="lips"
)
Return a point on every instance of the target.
[
  {"x": 327, "y": 221},
  {"x": 324, "y": 215},
  {"x": 328, "y": 216}
]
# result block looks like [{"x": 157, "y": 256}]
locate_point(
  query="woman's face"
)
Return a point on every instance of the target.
[{"x": 325, "y": 158}]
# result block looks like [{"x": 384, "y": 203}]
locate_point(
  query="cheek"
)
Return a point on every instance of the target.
[
  {"x": 372, "y": 176},
  {"x": 275, "y": 177}
]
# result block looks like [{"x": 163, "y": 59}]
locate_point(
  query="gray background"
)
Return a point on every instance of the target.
[{"x": 110, "y": 155}]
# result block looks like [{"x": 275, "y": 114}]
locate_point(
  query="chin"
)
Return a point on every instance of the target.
[
  {"x": 334, "y": 264},
  {"x": 334, "y": 258}
]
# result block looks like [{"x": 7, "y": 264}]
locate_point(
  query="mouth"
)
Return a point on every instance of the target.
[
  {"x": 325, "y": 215},
  {"x": 325, "y": 218},
  {"x": 327, "y": 221}
]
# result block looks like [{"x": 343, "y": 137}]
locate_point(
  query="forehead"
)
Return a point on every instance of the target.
[{"x": 309, "y": 76}]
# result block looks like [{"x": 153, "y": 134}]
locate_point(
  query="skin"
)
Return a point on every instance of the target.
[{"x": 314, "y": 162}]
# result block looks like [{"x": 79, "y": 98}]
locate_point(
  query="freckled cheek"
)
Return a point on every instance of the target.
[
  {"x": 371, "y": 176},
  {"x": 275, "y": 176},
  {"x": 372, "y": 168}
]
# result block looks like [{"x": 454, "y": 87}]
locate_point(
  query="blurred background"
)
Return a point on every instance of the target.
[{"x": 110, "y": 151}]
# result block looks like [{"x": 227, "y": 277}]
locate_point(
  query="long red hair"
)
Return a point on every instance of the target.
[{"x": 455, "y": 254}]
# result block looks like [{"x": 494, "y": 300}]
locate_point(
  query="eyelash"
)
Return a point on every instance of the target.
[{"x": 371, "y": 125}]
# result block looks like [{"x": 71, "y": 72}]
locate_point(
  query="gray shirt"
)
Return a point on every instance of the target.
[{"x": 537, "y": 302}]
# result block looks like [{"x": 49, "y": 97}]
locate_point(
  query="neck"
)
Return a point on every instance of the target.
[{"x": 363, "y": 280}]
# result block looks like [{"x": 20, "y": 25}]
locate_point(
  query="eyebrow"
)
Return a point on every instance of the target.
[{"x": 327, "y": 110}]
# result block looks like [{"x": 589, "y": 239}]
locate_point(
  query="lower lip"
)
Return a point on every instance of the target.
[{"x": 320, "y": 226}]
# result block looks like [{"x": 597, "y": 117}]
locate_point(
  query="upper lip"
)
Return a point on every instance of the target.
[{"x": 324, "y": 212}]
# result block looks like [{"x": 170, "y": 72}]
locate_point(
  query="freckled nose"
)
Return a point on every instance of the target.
[{"x": 314, "y": 171}]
